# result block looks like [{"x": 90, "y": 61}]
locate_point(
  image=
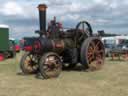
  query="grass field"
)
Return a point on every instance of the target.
[{"x": 112, "y": 80}]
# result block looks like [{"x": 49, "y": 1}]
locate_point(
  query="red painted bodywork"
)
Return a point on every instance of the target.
[
  {"x": 28, "y": 48},
  {"x": 1, "y": 57},
  {"x": 17, "y": 48}
]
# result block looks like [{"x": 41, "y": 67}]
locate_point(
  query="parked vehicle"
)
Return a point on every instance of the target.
[
  {"x": 109, "y": 44},
  {"x": 114, "y": 42},
  {"x": 123, "y": 46},
  {"x": 17, "y": 46},
  {"x": 108, "y": 48},
  {"x": 7, "y": 47},
  {"x": 115, "y": 39},
  {"x": 12, "y": 51}
]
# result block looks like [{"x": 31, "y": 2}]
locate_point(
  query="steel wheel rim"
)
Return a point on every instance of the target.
[
  {"x": 52, "y": 65},
  {"x": 31, "y": 63},
  {"x": 95, "y": 55}
]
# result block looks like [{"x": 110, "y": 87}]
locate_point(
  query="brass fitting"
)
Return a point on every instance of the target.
[{"x": 42, "y": 7}]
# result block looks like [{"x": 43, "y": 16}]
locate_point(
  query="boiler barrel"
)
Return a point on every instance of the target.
[{"x": 58, "y": 46}]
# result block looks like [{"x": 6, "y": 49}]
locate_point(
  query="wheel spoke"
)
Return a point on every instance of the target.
[
  {"x": 91, "y": 58},
  {"x": 96, "y": 46},
  {"x": 51, "y": 65},
  {"x": 93, "y": 46},
  {"x": 100, "y": 51},
  {"x": 90, "y": 54},
  {"x": 30, "y": 57},
  {"x": 29, "y": 64},
  {"x": 95, "y": 54}
]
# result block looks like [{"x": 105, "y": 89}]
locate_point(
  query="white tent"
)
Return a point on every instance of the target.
[
  {"x": 114, "y": 39},
  {"x": 4, "y": 26}
]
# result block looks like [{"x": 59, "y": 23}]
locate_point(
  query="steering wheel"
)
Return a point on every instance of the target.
[{"x": 83, "y": 30}]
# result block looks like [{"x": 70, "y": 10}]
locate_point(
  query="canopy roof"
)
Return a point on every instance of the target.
[{"x": 4, "y": 26}]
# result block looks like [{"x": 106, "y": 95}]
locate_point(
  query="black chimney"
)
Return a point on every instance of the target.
[{"x": 42, "y": 18}]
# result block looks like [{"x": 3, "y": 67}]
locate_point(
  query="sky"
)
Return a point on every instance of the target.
[{"x": 22, "y": 15}]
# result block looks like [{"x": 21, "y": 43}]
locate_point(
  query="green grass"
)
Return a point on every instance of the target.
[{"x": 112, "y": 80}]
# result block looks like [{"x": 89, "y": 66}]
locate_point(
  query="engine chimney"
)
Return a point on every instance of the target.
[{"x": 42, "y": 18}]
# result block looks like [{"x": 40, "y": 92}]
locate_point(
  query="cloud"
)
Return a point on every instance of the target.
[
  {"x": 11, "y": 8},
  {"x": 22, "y": 15}
]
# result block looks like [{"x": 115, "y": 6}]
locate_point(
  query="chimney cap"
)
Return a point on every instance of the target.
[{"x": 42, "y": 7}]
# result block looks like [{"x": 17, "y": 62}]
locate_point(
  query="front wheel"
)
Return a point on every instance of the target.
[
  {"x": 29, "y": 63},
  {"x": 50, "y": 65}
]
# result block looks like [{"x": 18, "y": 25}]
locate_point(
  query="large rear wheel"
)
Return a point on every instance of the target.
[
  {"x": 50, "y": 65},
  {"x": 92, "y": 53}
]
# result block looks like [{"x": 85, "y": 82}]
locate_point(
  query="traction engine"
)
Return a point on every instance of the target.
[{"x": 57, "y": 48}]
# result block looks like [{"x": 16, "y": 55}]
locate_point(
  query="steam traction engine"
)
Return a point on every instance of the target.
[{"x": 57, "y": 48}]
